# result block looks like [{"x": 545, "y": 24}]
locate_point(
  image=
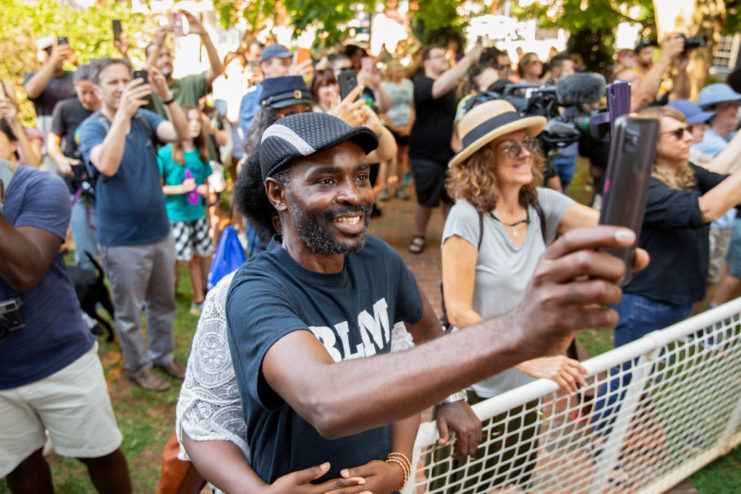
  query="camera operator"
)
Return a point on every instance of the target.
[
  {"x": 67, "y": 117},
  {"x": 647, "y": 76},
  {"x": 50, "y": 375}
]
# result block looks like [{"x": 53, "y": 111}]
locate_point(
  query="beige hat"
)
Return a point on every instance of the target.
[{"x": 487, "y": 121}]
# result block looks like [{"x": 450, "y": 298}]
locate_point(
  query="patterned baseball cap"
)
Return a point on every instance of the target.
[{"x": 303, "y": 134}]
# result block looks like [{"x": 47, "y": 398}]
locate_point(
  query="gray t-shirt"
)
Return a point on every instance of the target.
[
  {"x": 503, "y": 268},
  {"x": 401, "y": 95}
]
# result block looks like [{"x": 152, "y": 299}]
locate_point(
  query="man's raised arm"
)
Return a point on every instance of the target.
[
  {"x": 450, "y": 78},
  {"x": 348, "y": 397}
]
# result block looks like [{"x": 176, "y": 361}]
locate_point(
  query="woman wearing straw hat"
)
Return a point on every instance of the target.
[{"x": 491, "y": 243}]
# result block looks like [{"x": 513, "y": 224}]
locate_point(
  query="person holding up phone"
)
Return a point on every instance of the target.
[
  {"x": 49, "y": 85},
  {"x": 189, "y": 89}
]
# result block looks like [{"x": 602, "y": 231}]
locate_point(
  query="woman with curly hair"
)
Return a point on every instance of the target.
[{"x": 491, "y": 242}]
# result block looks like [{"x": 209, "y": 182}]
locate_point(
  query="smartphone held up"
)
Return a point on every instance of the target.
[{"x": 632, "y": 153}]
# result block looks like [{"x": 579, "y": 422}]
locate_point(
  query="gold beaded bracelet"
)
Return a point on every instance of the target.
[{"x": 401, "y": 460}]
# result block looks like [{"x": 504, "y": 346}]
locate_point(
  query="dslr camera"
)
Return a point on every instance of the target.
[{"x": 11, "y": 317}]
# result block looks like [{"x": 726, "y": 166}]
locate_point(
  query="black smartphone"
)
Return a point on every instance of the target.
[
  {"x": 62, "y": 40},
  {"x": 347, "y": 81},
  {"x": 116, "y": 24},
  {"x": 632, "y": 153},
  {"x": 142, "y": 74}
]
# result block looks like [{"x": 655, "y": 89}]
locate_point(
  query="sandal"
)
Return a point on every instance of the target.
[{"x": 417, "y": 244}]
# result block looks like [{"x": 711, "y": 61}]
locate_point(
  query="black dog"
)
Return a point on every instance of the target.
[{"x": 92, "y": 291}]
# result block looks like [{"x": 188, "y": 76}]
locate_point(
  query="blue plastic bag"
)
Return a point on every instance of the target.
[{"x": 228, "y": 257}]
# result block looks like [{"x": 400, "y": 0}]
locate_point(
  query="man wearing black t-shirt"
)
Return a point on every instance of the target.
[
  {"x": 309, "y": 319},
  {"x": 62, "y": 146},
  {"x": 429, "y": 142}
]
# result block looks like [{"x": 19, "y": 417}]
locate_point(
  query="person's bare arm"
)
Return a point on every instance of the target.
[
  {"x": 10, "y": 115},
  {"x": 578, "y": 216},
  {"x": 569, "y": 285},
  {"x": 645, "y": 92},
  {"x": 215, "y": 68},
  {"x": 25, "y": 254},
  {"x": 728, "y": 160},
  {"x": 175, "y": 128},
  {"x": 223, "y": 464},
  {"x": 682, "y": 85},
  {"x": 54, "y": 150},
  {"x": 727, "y": 194},
  {"x": 386, "y": 149},
  {"x": 40, "y": 80},
  {"x": 450, "y": 78}
]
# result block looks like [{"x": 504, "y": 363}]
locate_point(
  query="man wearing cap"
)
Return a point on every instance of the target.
[
  {"x": 189, "y": 89},
  {"x": 310, "y": 319},
  {"x": 49, "y": 85},
  {"x": 275, "y": 61}
]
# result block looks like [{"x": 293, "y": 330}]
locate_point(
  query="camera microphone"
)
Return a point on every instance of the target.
[{"x": 577, "y": 89}]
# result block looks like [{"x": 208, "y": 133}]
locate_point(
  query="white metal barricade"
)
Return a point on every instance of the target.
[{"x": 644, "y": 428}]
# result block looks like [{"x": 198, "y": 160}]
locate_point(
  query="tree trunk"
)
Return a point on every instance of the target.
[{"x": 694, "y": 18}]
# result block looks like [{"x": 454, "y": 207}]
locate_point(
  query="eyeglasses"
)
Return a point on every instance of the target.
[
  {"x": 514, "y": 150},
  {"x": 678, "y": 133}
]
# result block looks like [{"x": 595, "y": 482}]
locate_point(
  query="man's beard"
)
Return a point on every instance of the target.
[{"x": 313, "y": 228}]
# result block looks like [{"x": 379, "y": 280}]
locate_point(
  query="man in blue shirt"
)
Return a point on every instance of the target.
[
  {"x": 50, "y": 375},
  {"x": 275, "y": 61},
  {"x": 136, "y": 246}
]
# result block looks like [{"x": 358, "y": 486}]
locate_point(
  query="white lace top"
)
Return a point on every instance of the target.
[{"x": 209, "y": 407}]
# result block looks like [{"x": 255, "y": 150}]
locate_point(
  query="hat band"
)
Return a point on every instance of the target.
[{"x": 490, "y": 125}]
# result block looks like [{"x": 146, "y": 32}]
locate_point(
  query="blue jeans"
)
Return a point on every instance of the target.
[
  {"x": 82, "y": 234},
  {"x": 638, "y": 317},
  {"x": 566, "y": 166}
]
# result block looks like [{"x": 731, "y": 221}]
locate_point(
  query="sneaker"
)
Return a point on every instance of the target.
[
  {"x": 384, "y": 195},
  {"x": 151, "y": 381},
  {"x": 402, "y": 194},
  {"x": 407, "y": 179},
  {"x": 196, "y": 309},
  {"x": 174, "y": 369}
]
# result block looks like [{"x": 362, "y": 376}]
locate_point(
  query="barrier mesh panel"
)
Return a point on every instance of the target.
[{"x": 644, "y": 424}]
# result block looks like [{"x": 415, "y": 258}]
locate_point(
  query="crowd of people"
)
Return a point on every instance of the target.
[{"x": 323, "y": 337}]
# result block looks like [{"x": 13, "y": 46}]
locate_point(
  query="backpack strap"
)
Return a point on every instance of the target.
[{"x": 541, "y": 217}]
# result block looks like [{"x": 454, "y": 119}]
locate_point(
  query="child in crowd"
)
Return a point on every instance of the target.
[{"x": 184, "y": 169}]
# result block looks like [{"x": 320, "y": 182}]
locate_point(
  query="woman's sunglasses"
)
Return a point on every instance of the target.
[{"x": 678, "y": 133}]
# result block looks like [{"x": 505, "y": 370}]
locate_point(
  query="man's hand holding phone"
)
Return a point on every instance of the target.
[
  {"x": 351, "y": 108},
  {"x": 134, "y": 96}
]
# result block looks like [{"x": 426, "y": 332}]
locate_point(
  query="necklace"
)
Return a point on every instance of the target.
[{"x": 516, "y": 223}]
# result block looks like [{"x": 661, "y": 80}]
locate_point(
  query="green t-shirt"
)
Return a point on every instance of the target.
[
  {"x": 187, "y": 91},
  {"x": 178, "y": 207}
]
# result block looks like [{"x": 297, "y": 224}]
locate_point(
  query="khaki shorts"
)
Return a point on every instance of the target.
[{"x": 72, "y": 405}]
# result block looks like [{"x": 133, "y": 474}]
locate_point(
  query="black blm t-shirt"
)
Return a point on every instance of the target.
[
  {"x": 352, "y": 313},
  {"x": 433, "y": 123},
  {"x": 676, "y": 237}
]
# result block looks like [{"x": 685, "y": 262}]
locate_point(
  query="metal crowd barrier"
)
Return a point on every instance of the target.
[{"x": 676, "y": 409}]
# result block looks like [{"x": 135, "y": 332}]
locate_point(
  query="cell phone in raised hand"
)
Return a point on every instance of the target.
[
  {"x": 632, "y": 154},
  {"x": 347, "y": 79},
  {"x": 142, "y": 74},
  {"x": 180, "y": 24},
  {"x": 62, "y": 40},
  {"x": 116, "y": 25}
]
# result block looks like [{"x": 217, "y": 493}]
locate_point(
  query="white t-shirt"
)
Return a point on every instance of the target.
[{"x": 503, "y": 268}]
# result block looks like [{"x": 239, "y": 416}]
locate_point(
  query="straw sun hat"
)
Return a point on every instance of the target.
[{"x": 487, "y": 121}]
